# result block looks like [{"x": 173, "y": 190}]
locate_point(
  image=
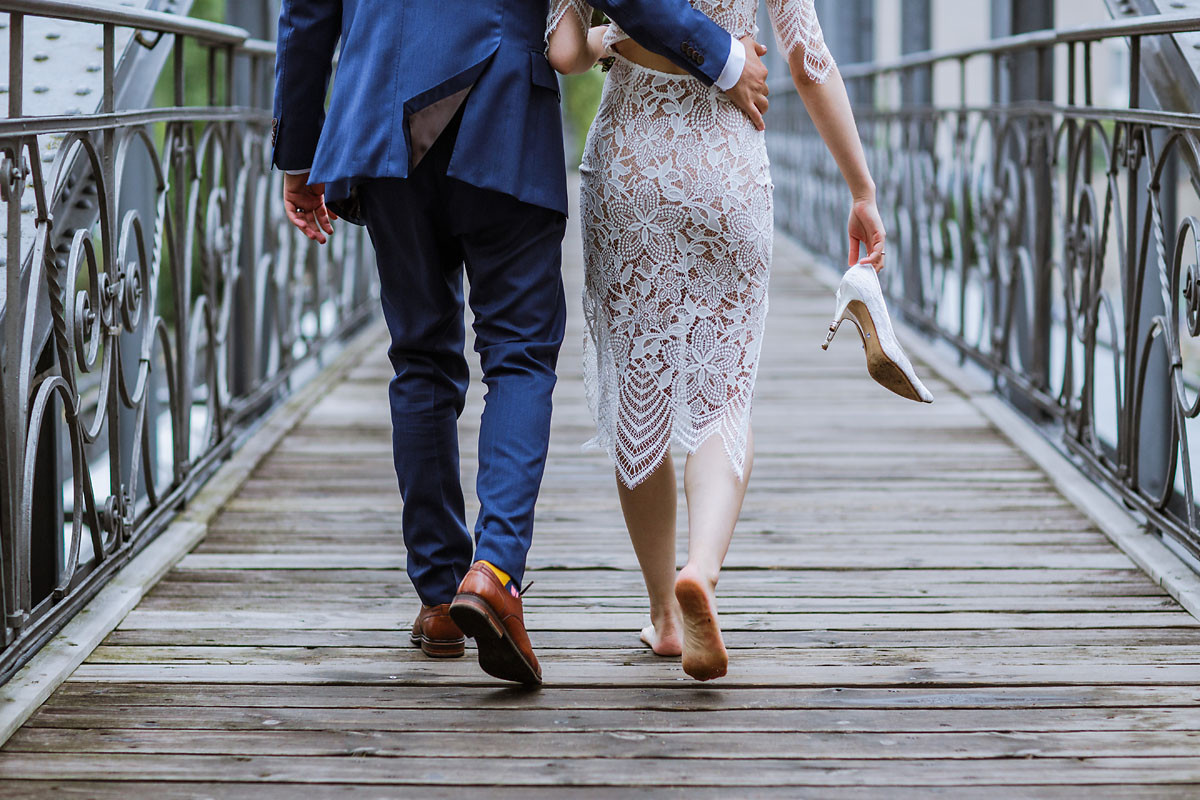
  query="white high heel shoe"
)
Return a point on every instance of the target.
[{"x": 860, "y": 300}]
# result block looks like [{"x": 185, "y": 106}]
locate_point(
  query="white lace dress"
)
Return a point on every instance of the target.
[{"x": 677, "y": 229}]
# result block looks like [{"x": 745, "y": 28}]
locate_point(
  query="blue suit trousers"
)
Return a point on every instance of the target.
[{"x": 425, "y": 229}]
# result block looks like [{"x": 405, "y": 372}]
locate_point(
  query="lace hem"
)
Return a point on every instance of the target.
[{"x": 737, "y": 460}]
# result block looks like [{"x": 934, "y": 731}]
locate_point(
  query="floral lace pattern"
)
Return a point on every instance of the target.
[
  {"x": 795, "y": 22},
  {"x": 676, "y": 205}
]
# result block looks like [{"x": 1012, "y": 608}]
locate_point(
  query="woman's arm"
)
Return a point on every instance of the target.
[
  {"x": 574, "y": 49},
  {"x": 824, "y": 94},
  {"x": 829, "y": 106}
]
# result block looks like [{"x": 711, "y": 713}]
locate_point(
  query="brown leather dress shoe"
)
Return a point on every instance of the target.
[
  {"x": 436, "y": 634},
  {"x": 493, "y": 617}
]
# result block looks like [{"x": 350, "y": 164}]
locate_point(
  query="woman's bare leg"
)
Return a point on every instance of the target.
[
  {"x": 714, "y": 499},
  {"x": 650, "y": 517}
]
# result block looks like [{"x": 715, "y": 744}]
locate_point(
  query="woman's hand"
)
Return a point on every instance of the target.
[{"x": 866, "y": 230}]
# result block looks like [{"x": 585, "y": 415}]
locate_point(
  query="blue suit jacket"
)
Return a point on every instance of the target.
[{"x": 399, "y": 58}]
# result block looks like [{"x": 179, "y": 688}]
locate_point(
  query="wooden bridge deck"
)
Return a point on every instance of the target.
[{"x": 908, "y": 602}]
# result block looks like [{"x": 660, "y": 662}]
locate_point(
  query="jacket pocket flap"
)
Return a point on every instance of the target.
[{"x": 542, "y": 73}]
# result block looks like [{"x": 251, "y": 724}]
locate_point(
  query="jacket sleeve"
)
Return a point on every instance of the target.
[
  {"x": 674, "y": 29},
  {"x": 308, "y": 35}
]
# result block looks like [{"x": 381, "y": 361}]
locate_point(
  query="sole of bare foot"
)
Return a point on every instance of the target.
[
  {"x": 666, "y": 646},
  {"x": 704, "y": 655}
]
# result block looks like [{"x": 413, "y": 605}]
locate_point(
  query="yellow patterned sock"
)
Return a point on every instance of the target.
[{"x": 504, "y": 577}]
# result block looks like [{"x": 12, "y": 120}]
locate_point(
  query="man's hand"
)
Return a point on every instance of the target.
[
  {"x": 750, "y": 92},
  {"x": 305, "y": 207}
]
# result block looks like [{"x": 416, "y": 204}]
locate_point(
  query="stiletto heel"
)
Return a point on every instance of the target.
[{"x": 860, "y": 300}]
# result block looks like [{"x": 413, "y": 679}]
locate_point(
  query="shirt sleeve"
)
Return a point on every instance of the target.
[
  {"x": 733, "y": 67},
  {"x": 796, "y": 26}
]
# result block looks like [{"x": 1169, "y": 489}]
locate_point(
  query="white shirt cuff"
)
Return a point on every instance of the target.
[
  {"x": 298, "y": 171},
  {"x": 733, "y": 67}
]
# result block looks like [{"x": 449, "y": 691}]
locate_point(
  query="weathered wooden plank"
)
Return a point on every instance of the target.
[
  {"x": 1095, "y": 699},
  {"x": 1081, "y": 657},
  {"x": 602, "y": 772},
  {"x": 926, "y": 641},
  {"x": 544, "y": 619},
  {"x": 630, "y": 586},
  {"x": 188, "y": 790},
  {"x": 800, "y": 581},
  {"x": 643, "y": 669},
  {"x": 612, "y": 744},
  {"x": 517, "y": 718},
  {"x": 740, "y": 558},
  {"x": 729, "y": 605}
]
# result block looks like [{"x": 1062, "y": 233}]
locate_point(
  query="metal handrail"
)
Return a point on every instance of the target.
[
  {"x": 141, "y": 343},
  {"x": 1157, "y": 25},
  {"x": 1042, "y": 238},
  {"x": 157, "y": 21}
]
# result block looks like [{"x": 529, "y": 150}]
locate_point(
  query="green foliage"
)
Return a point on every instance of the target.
[{"x": 581, "y": 98}]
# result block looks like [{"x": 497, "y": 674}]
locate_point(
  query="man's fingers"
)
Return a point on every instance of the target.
[
  {"x": 322, "y": 214},
  {"x": 305, "y": 221},
  {"x": 314, "y": 224},
  {"x": 294, "y": 216},
  {"x": 760, "y": 48},
  {"x": 756, "y": 118},
  {"x": 762, "y": 103}
]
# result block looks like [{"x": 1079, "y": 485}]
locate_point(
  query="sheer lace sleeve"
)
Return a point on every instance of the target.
[
  {"x": 796, "y": 25},
  {"x": 561, "y": 8}
]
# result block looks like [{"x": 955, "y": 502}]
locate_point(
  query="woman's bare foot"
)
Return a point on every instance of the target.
[
  {"x": 704, "y": 656},
  {"x": 665, "y": 639}
]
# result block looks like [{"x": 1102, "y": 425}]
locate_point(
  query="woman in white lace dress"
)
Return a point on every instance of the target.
[{"x": 677, "y": 226}]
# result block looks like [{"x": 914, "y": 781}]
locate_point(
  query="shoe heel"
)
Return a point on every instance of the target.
[
  {"x": 844, "y": 297},
  {"x": 475, "y": 618}
]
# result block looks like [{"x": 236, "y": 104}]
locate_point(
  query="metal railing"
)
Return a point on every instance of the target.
[
  {"x": 1051, "y": 238},
  {"x": 140, "y": 345}
]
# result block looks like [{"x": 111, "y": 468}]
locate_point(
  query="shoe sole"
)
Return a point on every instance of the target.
[
  {"x": 881, "y": 368},
  {"x": 438, "y": 649},
  {"x": 498, "y": 655}
]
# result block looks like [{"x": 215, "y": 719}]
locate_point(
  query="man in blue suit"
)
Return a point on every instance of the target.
[{"x": 444, "y": 137}]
